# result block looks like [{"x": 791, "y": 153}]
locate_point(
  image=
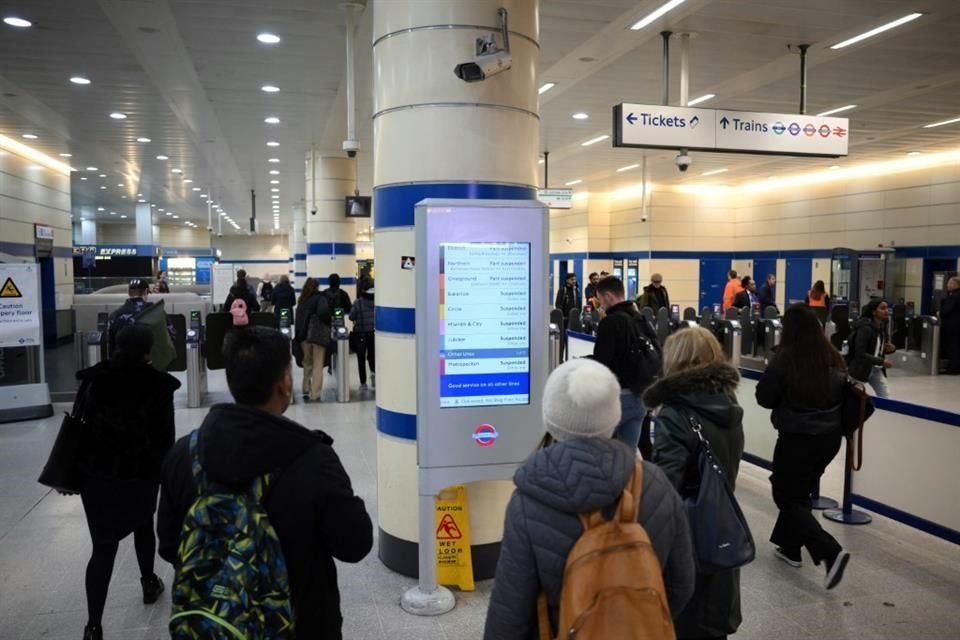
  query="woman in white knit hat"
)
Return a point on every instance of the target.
[{"x": 578, "y": 470}]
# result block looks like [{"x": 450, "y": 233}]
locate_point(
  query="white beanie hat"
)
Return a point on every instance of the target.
[{"x": 581, "y": 400}]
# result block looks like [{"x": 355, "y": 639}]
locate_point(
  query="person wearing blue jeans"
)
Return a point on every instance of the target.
[{"x": 618, "y": 336}]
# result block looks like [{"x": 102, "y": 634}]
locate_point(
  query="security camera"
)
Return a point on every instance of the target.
[
  {"x": 351, "y": 147},
  {"x": 683, "y": 162},
  {"x": 489, "y": 59},
  {"x": 483, "y": 67},
  {"x": 220, "y": 235},
  {"x": 209, "y": 229},
  {"x": 313, "y": 211}
]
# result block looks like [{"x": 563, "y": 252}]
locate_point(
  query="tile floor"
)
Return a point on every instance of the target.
[{"x": 901, "y": 584}]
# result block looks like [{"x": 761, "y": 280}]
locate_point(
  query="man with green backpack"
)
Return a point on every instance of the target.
[{"x": 254, "y": 509}]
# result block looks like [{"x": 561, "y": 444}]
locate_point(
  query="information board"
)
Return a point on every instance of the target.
[
  {"x": 20, "y": 321},
  {"x": 484, "y": 324}
]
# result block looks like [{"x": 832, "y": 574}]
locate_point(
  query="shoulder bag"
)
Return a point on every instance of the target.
[
  {"x": 62, "y": 471},
  {"x": 857, "y": 409},
  {"x": 721, "y": 535}
]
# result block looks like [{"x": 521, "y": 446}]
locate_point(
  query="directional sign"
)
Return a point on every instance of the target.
[
  {"x": 659, "y": 127},
  {"x": 556, "y": 198}
]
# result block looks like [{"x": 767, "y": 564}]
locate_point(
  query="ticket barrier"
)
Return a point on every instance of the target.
[
  {"x": 196, "y": 363},
  {"x": 922, "y": 354},
  {"x": 90, "y": 347},
  {"x": 219, "y": 325},
  {"x": 342, "y": 368},
  {"x": 772, "y": 332},
  {"x": 732, "y": 340},
  {"x": 554, "y": 352},
  {"x": 665, "y": 324}
]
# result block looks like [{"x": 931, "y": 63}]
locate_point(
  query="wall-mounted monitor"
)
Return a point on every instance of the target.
[{"x": 357, "y": 207}]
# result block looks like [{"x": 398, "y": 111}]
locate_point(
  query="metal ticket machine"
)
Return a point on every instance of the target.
[{"x": 482, "y": 354}]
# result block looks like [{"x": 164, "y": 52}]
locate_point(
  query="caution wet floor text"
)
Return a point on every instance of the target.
[{"x": 454, "y": 563}]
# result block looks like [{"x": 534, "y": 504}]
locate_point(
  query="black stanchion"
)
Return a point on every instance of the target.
[{"x": 848, "y": 515}]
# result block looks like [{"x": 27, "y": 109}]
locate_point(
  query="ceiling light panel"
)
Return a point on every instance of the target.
[
  {"x": 873, "y": 32},
  {"x": 701, "y": 99},
  {"x": 656, "y": 13}
]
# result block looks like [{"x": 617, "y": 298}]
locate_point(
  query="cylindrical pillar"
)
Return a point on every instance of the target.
[
  {"x": 331, "y": 237},
  {"x": 298, "y": 247},
  {"x": 436, "y": 136}
]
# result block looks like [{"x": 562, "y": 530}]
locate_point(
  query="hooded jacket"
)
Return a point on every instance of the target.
[
  {"x": 363, "y": 313},
  {"x": 863, "y": 347},
  {"x": 707, "y": 394},
  {"x": 128, "y": 406},
  {"x": 241, "y": 291},
  {"x": 310, "y": 502},
  {"x": 554, "y": 486},
  {"x": 653, "y": 297},
  {"x": 615, "y": 336}
]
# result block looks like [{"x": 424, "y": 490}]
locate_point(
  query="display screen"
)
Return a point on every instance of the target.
[
  {"x": 357, "y": 207},
  {"x": 484, "y": 324}
]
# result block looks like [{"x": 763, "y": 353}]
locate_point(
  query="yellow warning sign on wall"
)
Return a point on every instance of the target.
[
  {"x": 10, "y": 290},
  {"x": 454, "y": 562}
]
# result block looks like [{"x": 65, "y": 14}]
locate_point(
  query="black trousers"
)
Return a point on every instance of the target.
[
  {"x": 798, "y": 463},
  {"x": 366, "y": 354},
  {"x": 951, "y": 348}
]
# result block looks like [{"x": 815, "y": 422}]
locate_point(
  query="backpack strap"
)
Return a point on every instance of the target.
[
  {"x": 543, "y": 618},
  {"x": 199, "y": 477},
  {"x": 629, "y": 508}
]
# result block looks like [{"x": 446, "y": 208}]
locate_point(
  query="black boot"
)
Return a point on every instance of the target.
[
  {"x": 93, "y": 632},
  {"x": 152, "y": 588}
]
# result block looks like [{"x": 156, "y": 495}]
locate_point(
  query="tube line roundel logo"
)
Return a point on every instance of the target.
[{"x": 485, "y": 435}]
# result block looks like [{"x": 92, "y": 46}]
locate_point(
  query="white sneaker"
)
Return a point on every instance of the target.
[
  {"x": 835, "y": 571},
  {"x": 793, "y": 562}
]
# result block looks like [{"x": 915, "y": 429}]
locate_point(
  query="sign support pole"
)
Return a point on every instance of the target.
[
  {"x": 666, "y": 66},
  {"x": 546, "y": 169},
  {"x": 427, "y": 598},
  {"x": 803, "y": 78}
]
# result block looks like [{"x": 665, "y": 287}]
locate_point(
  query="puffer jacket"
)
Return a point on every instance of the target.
[
  {"x": 554, "y": 486},
  {"x": 363, "y": 313},
  {"x": 709, "y": 395}
]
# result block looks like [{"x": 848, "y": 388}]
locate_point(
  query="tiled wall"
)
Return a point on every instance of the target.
[{"x": 31, "y": 195}]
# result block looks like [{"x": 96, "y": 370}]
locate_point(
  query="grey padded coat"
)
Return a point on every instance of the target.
[{"x": 541, "y": 527}]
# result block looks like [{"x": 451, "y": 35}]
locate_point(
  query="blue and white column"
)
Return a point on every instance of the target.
[
  {"x": 436, "y": 136},
  {"x": 298, "y": 248},
  {"x": 331, "y": 237}
]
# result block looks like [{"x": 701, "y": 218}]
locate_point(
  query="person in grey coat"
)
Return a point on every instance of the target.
[{"x": 579, "y": 469}]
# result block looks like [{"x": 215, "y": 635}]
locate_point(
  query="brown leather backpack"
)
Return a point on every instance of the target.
[{"x": 613, "y": 583}]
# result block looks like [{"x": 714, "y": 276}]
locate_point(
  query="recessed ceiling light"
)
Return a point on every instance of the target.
[
  {"x": 102, "y": 175},
  {"x": 703, "y": 98},
  {"x": 541, "y": 161},
  {"x": 120, "y": 185},
  {"x": 274, "y": 160},
  {"x": 187, "y": 181},
  {"x": 30, "y": 136},
  {"x": 627, "y": 168},
  {"x": 274, "y": 172},
  {"x": 153, "y": 205},
  {"x": 113, "y": 213},
  {"x": 116, "y": 115},
  {"x": 914, "y": 153},
  {"x": 124, "y": 197},
  {"x": 580, "y": 116},
  {"x": 203, "y": 195},
  {"x": 274, "y": 182},
  {"x": 139, "y": 195},
  {"x": 273, "y": 143},
  {"x": 269, "y": 88},
  {"x": 884, "y": 27},
  {"x": 546, "y": 86},
  {"x": 84, "y": 179},
  {"x": 275, "y": 196},
  {"x": 142, "y": 201},
  {"x": 272, "y": 120},
  {"x": 169, "y": 213},
  {"x": 176, "y": 217},
  {"x": 573, "y": 182},
  {"x": 162, "y": 157},
  {"x": 66, "y": 155},
  {"x": 123, "y": 217},
  {"x": 103, "y": 186},
  {"x": 942, "y": 123},
  {"x": 178, "y": 171},
  {"x": 594, "y": 140},
  {"x": 837, "y": 110},
  {"x": 714, "y": 172},
  {"x": 197, "y": 189},
  {"x": 79, "y": 80},
  {"x": 275, "y": 189},
  {"x": 20, "y": 23},
  {"x": 656, "y": 13},
  {"x": 100, "y": 209},
  {"x": 144, "y": 139},
  {"x": 268, "y": 38},
  {"x": 92, "y": 169}
]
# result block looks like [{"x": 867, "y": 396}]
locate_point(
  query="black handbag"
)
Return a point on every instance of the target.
[
  {"x": 721, "y": 535},
  {"x": 62, "y": 471}
]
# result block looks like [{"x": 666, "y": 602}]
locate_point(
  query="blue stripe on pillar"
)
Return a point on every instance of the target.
[
  {"x": 331, "y": 249},
  {"x": 299, "y": 256},
  {"x": 395, "y": 319},
  {"x": 393, "y": 206},
  {"x": 343, "y": 281},
  {"x": 398, "y": 425},
  {"x": 300, "y": 274}
]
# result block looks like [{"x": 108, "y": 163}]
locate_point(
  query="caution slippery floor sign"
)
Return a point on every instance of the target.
[
  {"x": 454, "y": 563},
  {"x": 20, "y": 315}
]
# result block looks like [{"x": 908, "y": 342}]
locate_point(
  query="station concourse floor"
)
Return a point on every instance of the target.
[{"x": 900, "y": 584}]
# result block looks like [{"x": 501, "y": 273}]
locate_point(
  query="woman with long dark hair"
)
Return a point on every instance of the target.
[
  {"x": 817, "y": 296},
  {"x": 804, "y": 386},
  {"x": 313, "y": 333},
  {"x": 128, "y": 429}
]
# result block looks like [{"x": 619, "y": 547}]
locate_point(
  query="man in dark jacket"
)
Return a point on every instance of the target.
[
  {"x": 868, "y": 347},
  {"x": 950, "y": 326},
  {"x": 615, "y": 343},
  {"x": 747, "y": 297},
  {"x": 768, "y": 295},
  {"x": 654, "y": 294},
  {"x": 241, "y": 291},
  {"x": 590, "y": 292},
  {"x": 124, "y": 316},
  {"x": 568, "y": 299},
  {"x": 310, "y": 503},
  {"x": 284, "y": 297},
  {"x": 336, "y": 297}
]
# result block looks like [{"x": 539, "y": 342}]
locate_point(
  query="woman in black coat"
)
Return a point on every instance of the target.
[
  {"x": 804, "y": 386},
  {"x": 128, "y": 425}
]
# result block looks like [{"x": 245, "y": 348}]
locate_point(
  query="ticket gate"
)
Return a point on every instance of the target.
[
  {"x": 665, "y": 325},
  {"x": 923, "y": 354},
  {"x": 770, "y": 337},
  {"x": 554, "y": 351},
  {"x": 732, "y": 340},
  {"x": 341, "y": 337},
  {"x": 196, "y": 365},
  {"x": 90, "y": 347}
]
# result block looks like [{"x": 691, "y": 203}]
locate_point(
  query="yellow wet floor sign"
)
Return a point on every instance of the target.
[
  {"x": 454, "y": 562},
  {"x": 10, "y": 290}
]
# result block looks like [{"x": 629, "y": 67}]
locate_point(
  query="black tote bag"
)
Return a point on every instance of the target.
[
  {"x": 721, "y": 535},
  {"x": 62, "y": 471}
]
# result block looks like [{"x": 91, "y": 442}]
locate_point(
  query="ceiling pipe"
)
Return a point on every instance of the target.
[
  {"x": 803, "y": 77},
  {"x": 253, "y": 211},
  {"x": 352, "y": 10},
  {"x": 666, "y": 66},
  {"x": 546, "y": 169},
  {"x": 684, "y": 69}
]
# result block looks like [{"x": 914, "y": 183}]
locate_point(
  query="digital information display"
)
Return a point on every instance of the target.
[{"x": 484, "y": 324}]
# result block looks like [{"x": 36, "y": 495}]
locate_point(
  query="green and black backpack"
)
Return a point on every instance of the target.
[{"x": 231, "y": 582}]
